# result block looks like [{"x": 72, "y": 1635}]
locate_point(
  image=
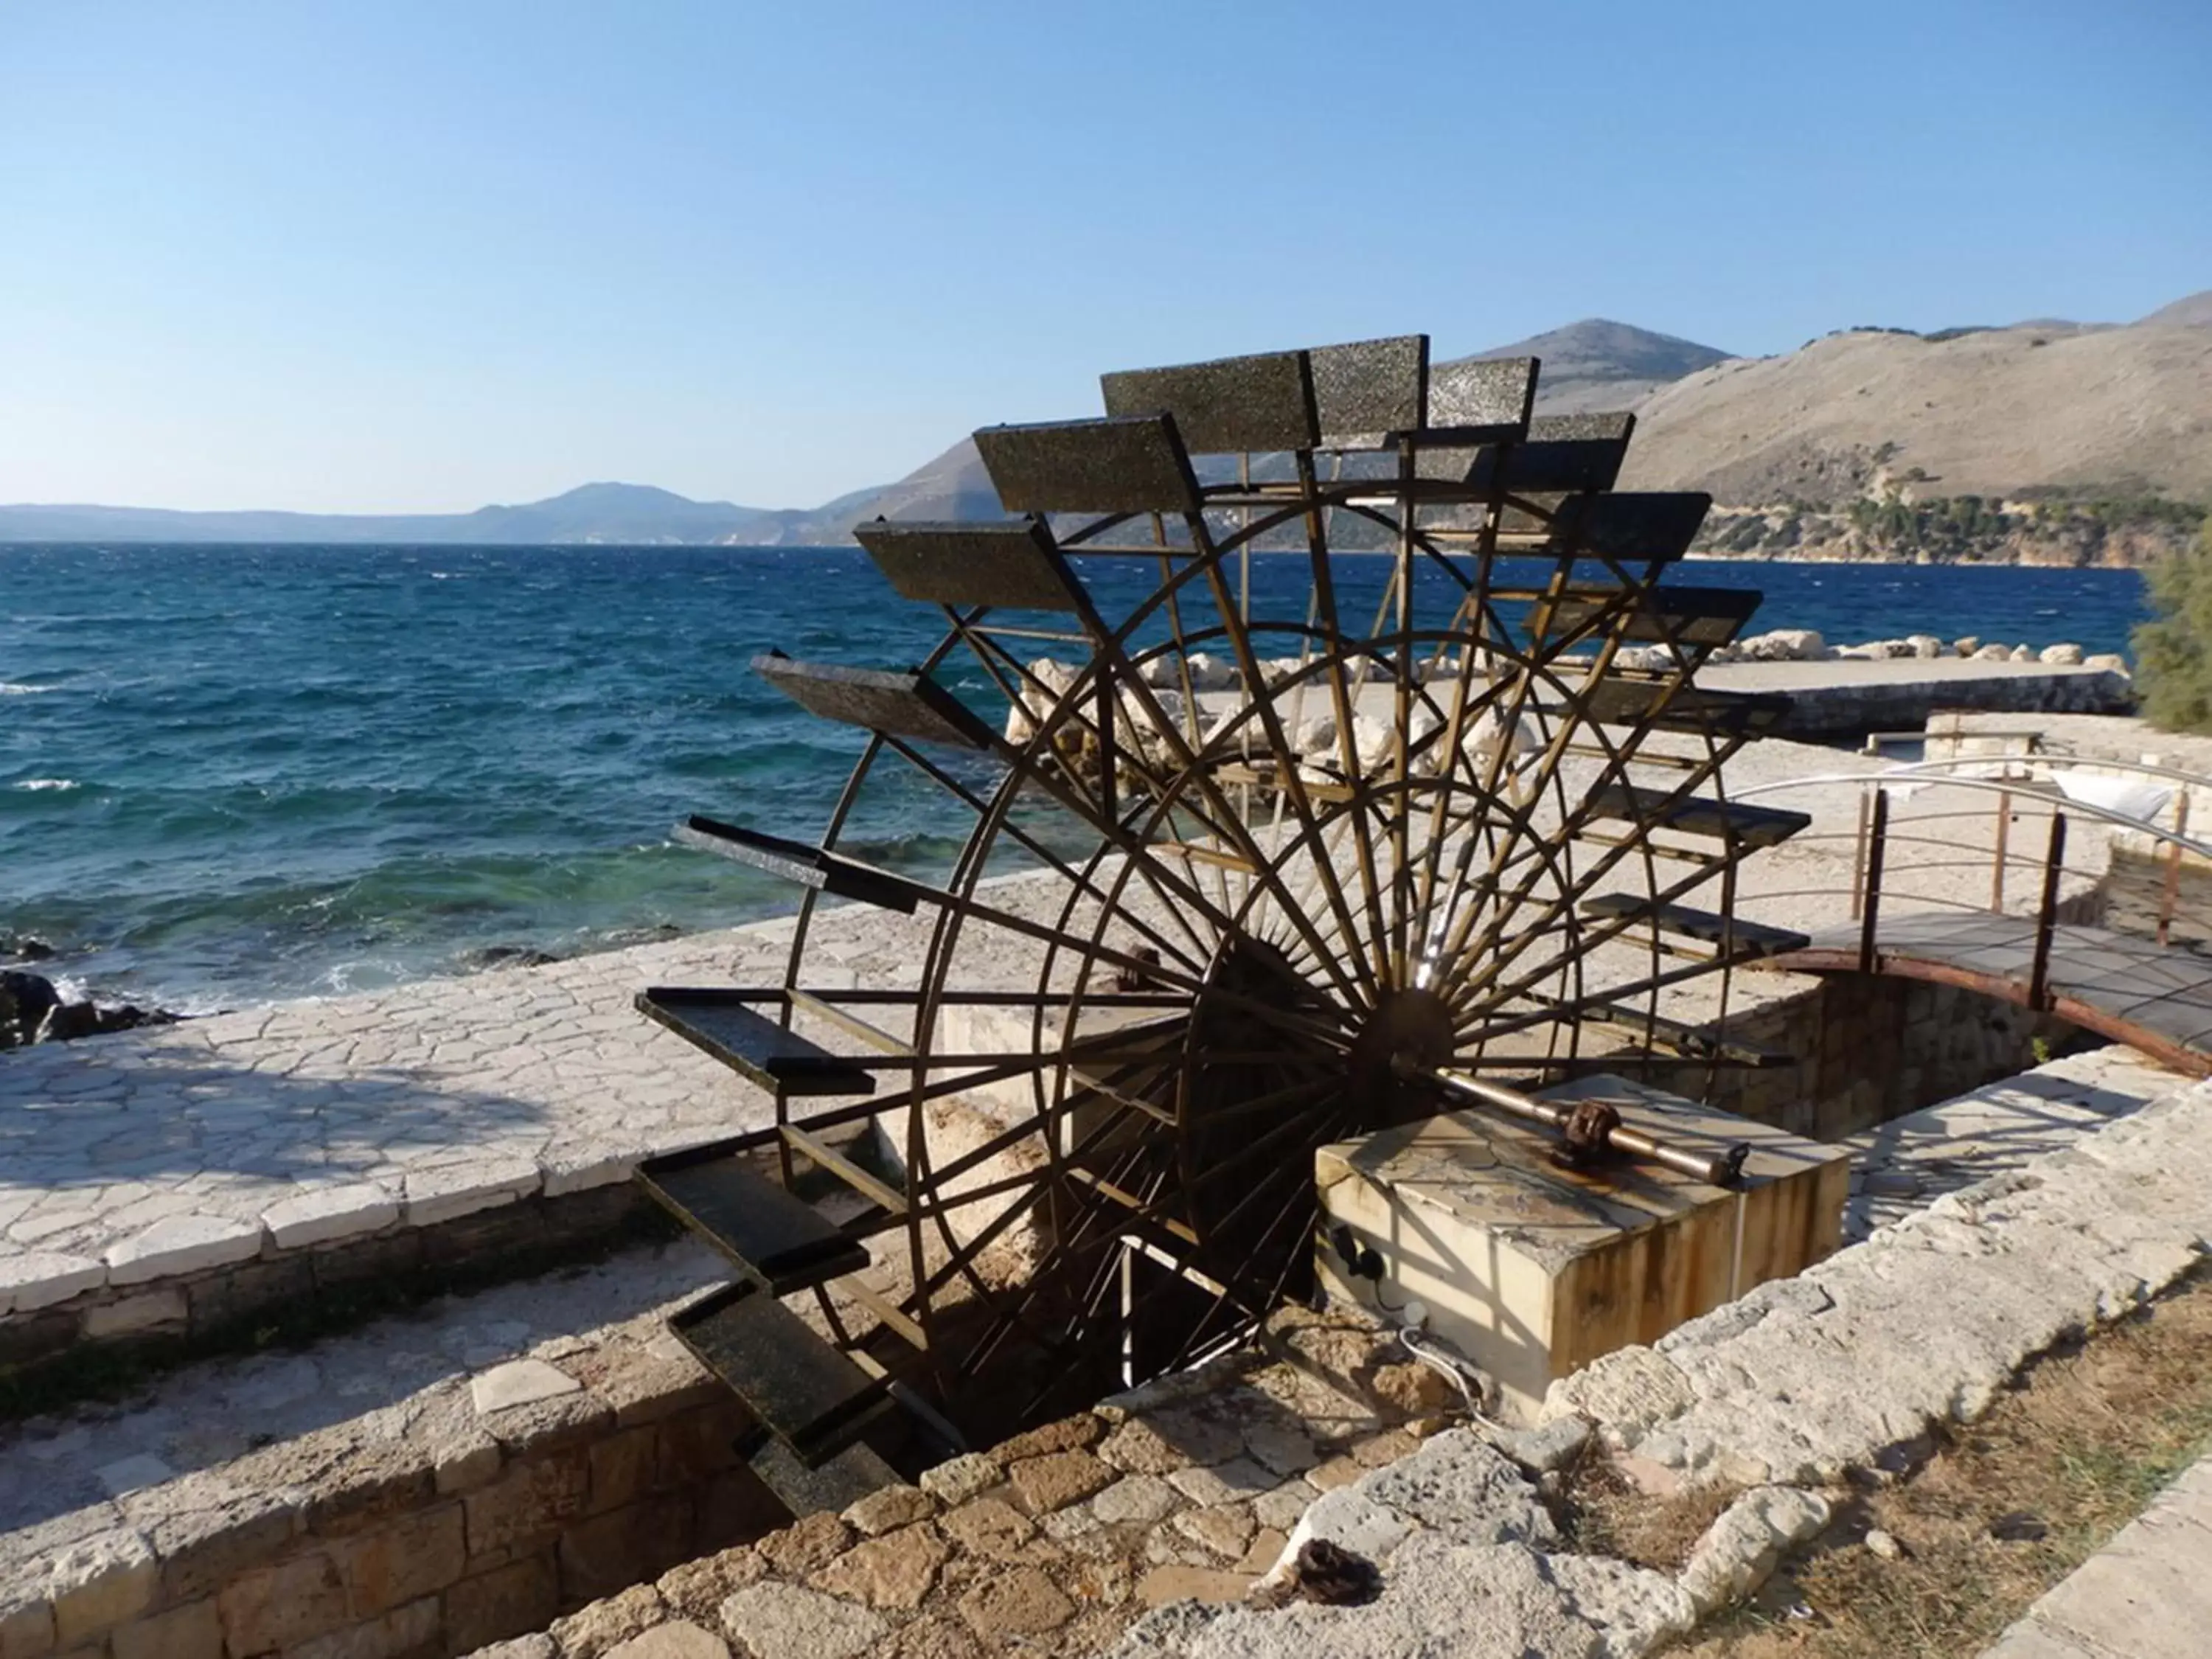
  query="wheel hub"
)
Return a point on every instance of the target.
[{"x": 1414, "y": 1025}]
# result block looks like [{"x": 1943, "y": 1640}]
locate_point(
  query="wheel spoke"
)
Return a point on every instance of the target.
[{"x": 1179, "y": 1030}]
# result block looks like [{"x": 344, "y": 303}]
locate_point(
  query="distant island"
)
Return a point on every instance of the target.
[
  {"x": 608, "y": 514},
  {"x": 2044, "y": 442}
]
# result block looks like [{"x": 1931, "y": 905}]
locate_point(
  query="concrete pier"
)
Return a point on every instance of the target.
[{"x": 1849, "y": 698}]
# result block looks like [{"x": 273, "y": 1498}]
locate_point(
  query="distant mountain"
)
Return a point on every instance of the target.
[
  {"x": 2194, "y": 311},
  {"x": 595, "y": 512},
  {"x": 2047, "y": 410},
  {"x": 1598, "y": 364},
  {"x": 953, "y": 486},
  {"x": 1591, "y": 365}
]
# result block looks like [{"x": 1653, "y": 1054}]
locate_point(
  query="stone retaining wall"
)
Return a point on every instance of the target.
[
  {"x": 497, "y": 1533},
  {"x": 1852, "y": 707},
  {"x": 422, "y": 1521},
  {"x": 1867, "y": 1049},
  {"x": 1054, "y": 1541},
  {"x": 195, "y": 1288},
  {"x": 2137, "y": 885}
]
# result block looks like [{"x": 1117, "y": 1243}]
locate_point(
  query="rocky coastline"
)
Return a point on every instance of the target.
[
  {"x": 34, "y": 1009},
  {"x": 1888, "y": 527},
  {"x": 1806, "y": 645}
]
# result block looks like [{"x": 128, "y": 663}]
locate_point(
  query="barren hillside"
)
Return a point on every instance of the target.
[
  {"x": 2046, "y": 442},
  {"x": 2194, "y": 310},
  {"x": 2116, "y": 412}
]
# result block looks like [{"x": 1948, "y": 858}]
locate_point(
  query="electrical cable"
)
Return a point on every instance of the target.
[{"x": 1452, "y": 1370}]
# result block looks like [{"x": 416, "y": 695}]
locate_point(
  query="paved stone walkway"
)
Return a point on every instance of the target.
[
  {"x": 149, "y": 1153},
  {"x": 359, "y": 1105},
  {"x": 1907, "y": 1163},
  {"x": 2147, "y": 1595}
]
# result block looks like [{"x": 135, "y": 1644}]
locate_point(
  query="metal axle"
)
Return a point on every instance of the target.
[{"x": 1722, "y": 1168}]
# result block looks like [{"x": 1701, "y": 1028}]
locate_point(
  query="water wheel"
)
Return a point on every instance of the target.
[{"x": 1329, "y": 726}]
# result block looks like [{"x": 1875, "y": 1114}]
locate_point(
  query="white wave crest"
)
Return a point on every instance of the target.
[
  {"x": 11, "y": 689},
  {"x": 50, "y": 783}
]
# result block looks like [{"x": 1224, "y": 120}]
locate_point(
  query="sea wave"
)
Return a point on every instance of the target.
[{"x": 311, "y": 769}]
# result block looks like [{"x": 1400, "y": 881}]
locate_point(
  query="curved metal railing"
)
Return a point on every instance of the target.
[{"x": 1939, "y": 847}]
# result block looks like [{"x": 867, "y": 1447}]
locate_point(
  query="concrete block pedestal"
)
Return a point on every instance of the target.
[{"x": 1532, "y": 1270}]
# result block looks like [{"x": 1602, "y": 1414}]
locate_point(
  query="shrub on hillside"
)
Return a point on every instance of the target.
[{"x": 2173, "y": 650}]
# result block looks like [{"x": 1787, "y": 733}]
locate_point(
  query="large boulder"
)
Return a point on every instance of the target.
[
  {"x": 67, "y": 1021},
  {"x": 1209, "y": 673},
  {"x": 1928, "y": 646},
  {"x": 32, "y": 1010},
  {"x": 1152, "y": 734},
  {"x": 1321, "y": 752},
  {"x": 25, "y": 999},
  {"x": 1785, "y": 645},
  {"x": 2064, "y": 656},
  {"x": 1053, "y": 678}
]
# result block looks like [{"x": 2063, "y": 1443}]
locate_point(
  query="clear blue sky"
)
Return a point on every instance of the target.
[{"x": 421, "y": 254}]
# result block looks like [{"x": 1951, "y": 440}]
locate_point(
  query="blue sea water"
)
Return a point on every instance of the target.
[{"x": 229, "y": 774}]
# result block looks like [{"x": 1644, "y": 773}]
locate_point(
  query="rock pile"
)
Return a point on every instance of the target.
[
  {"x": 1803, "y": 645},
  {"x": 32, "y": 1010},
  {"x": 1156, "y": 731}
]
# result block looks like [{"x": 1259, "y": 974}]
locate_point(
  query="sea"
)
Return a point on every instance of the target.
[{"x": 230, "y": 774}]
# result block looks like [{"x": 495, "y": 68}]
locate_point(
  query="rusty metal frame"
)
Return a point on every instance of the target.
[{"x": 1386, "y": 894}]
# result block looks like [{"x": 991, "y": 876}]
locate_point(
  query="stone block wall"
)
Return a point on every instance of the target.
[
  {"x": 1052, "y": 1542},
  {"x": 1868, "y": 1050},
  {"x": 191, "y": 1296},
  {"x": 2137, "y": 886},
  {"x": 532, "y": 1492},
  {"x": 1847, "y": 708}
]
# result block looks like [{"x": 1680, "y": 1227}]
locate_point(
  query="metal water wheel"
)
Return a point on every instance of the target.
[{"x": 1337, "y": 737}]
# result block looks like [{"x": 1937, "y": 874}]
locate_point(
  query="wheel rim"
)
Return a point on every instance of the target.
[{"x": 1252, "y": 906}]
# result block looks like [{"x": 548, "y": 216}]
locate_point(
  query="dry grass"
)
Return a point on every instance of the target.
[
  {"x": 2080, "y": 1445},
  {"x": 1605, "y": 1513}
]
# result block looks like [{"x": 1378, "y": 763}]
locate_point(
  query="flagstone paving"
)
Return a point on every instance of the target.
[{"x": 166, "y": 1150}]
